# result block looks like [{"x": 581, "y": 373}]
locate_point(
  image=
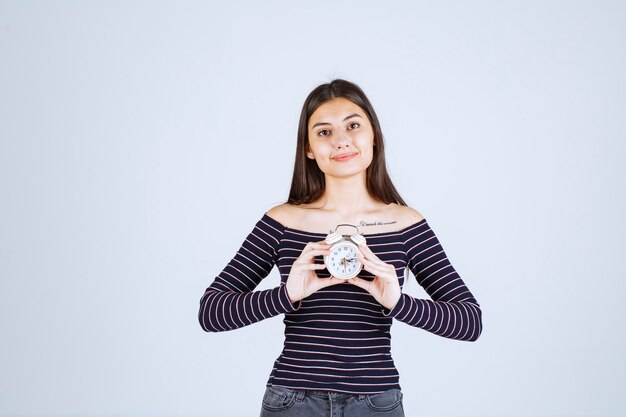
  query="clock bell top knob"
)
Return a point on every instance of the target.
[
  {"x": 333, "y": 237},
  {"x": 358, "y": 239}
]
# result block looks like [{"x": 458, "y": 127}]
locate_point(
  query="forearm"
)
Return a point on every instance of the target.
[
  {"x": 460, "y": 320},
  {"x": 228, "y": 310}
]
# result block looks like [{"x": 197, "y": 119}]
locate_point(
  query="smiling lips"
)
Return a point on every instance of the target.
[{"x": 344, "y": 157}]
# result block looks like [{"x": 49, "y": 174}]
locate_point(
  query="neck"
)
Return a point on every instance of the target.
[{"x": 347, "y": 196}]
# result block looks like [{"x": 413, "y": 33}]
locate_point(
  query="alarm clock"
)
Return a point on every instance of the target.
[{"x": 342, "y": 261}]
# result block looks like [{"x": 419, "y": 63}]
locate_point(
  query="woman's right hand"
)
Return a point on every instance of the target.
[{"x": 302, "y": 280}]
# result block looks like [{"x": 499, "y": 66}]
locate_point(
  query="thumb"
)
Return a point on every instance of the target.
[{"x": 332, "y": 280}]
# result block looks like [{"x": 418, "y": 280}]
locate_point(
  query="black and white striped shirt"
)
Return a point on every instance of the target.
[{"x": 338, "y": 338}]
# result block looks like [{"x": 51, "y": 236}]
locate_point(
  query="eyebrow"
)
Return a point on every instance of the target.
[{"x": 326, "y": 123}]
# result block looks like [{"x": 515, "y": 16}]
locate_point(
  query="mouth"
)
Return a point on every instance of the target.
[{"x": 345, "y": 157}]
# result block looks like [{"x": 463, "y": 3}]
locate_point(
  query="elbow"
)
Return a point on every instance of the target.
[
  {"x": 207, "y": 327},
  {"x": 469, "y": 337},
  {"x": 475, "y": 336},
  {"x": 210, "y": 330},
  {"x": 478, "y": 329},
  {"x": 208, "y": 323},
  {"x": 203, "y": 324},
  {"x": 472, "y": 324},
  {"x": 213, "y": 323},
  {"x": 204, "y": 318}
]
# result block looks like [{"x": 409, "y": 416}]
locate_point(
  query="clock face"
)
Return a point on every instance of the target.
[{"x": 342, "y": 261}]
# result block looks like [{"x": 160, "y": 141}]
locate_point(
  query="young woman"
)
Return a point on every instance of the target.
[{"x": 336, "y": 354}]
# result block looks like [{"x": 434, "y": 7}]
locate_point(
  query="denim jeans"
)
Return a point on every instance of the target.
[{"x": 285, "y": 402}]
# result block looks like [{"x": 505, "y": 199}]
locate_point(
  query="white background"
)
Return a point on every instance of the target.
[{"x": 141, "y": 141}]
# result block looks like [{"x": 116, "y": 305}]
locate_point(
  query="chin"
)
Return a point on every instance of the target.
[{"x": 346, "y": 173}]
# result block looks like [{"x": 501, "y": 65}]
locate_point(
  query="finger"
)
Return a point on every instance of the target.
[
  {"x": 385, "y": 272},
  {"x": 319, "y": 243},
  {"x": 305, "y": 257},
  {"x": 374, "y": 271},
  {"x": 373, "y": 264},
  {"x": 371, "y": 255},
  {"x": 380, "y": 266},
  {"x": 368, "y": 252},
  {"x": 315, "y": 246},
  {"x": 308, "y": 267},
  {"x": 362, "y": 283},
  {"x": 371, "y": 261}
]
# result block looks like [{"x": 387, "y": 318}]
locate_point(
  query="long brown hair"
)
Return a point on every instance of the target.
[{"x": 308, "y": 183}]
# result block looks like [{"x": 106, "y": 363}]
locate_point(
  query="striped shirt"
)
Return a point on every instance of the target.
[{"x": 338, "y": 338}]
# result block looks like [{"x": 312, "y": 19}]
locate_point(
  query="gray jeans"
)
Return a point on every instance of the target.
[{"x": 285, "y": 402}]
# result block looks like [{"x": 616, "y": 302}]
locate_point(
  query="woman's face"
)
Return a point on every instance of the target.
[{"x": 341, "y": 138}]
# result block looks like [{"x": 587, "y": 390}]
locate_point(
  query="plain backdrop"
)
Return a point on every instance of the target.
[{"x": 142, "y": 140}]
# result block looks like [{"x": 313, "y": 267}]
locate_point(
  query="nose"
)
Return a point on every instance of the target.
[{"x": 342, "y": 141}]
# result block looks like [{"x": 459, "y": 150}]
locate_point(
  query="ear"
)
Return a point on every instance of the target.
[{"x": 309, "y": 154}]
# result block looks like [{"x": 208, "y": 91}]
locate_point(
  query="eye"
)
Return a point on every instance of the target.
[
  {"x": 323, "y": 130},
  {"x": 354, "y": 123}
]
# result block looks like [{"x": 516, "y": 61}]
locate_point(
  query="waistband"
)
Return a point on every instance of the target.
[{"x": 327, "y": 395}]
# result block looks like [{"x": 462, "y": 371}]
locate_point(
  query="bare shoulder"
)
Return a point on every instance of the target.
[
  {"x": 284, "y": 214},
  {"x": 406, "y": 215}
]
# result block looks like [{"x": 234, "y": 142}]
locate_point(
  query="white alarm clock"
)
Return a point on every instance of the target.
[{"x": 342, "y": 261}]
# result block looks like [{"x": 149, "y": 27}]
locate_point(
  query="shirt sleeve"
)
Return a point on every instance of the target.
[
  {"x": 230, "y": 302},
  {"x": 453, "y": 311}
]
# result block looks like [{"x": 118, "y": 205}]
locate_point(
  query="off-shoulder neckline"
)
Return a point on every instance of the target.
[{"x": 395, "y": 232}]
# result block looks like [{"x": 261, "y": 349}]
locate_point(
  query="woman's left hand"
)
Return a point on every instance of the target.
[{"x": 385, "y": 287}]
